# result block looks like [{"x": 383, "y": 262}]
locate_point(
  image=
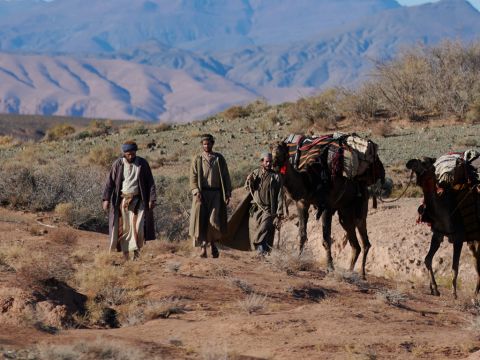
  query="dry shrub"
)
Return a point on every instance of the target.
[
  {"x": 319, "y": 111},
  {"x": 363, "y": 104},
  {"x": 66, "y": 212},
  {"x": 102, "y": 156},
  {"x": 162, "y": 127},
  {"x": 101, "y": 349},
  {"x": 6, "y": 141},
  {"x": 172, "y": 211},
  {"x": 253, "y": 303},
  {"x": 242, "y": 285},
  {"x": 110, "y": 288},
  {"x": 162, "y": 309},
  {"x": 138, "y": 129},
  {"x": 59, "y": 131},
  {"x": 473, "y": 115},
  {"x": 412, "y": 191},
  {"x": 63, "y": 236},
  {"x": 143, "y": 311},
  {"x": 436, "y": 81},
  {"x": 392, "y": 297},
  {"x": 98, "y": 127},
  {"x": 42, "y": 188},
  {"x": 33, "y": 267},
  {"x": 236, "y": 112},
  {"x": 291, "y": 261}
]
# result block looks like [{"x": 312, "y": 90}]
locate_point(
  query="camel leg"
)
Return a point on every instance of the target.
[
  {"x": 362, "y": 230},
  {"x": 457, "y": 251},
  {"x": 474, "y": 247},
  {"x": 327, "y": 237},
  {"x": 347, "y": 220},
  {"x": 302, "y": 209},
  {"x": 434, "y": 245}
]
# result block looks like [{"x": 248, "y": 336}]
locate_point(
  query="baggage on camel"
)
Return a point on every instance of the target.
[
  {"x": 347, "y": 155},
  {"x": 457, "y": 180}
]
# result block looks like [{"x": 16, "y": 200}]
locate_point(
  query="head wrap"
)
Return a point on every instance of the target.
[
  {"x": 129, "y": 146},
  {"x": 207, "y": 137},
  {"x": 265, "y": 154}
]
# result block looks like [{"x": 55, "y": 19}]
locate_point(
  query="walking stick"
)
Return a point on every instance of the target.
[{"x": 279, "y": 241}]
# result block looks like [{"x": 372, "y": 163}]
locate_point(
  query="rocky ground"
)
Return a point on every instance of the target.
[{"x": 243, "y": 307}]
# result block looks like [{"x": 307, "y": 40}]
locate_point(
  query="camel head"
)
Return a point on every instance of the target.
[
  {"x": 425, "y": 172},
  {"x": 437, "y": 207},
  {"x": 279, "y": 154}
]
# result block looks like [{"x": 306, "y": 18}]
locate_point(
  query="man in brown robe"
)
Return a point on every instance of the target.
[
  {"x": 266, "y": 211},
  {"x": 130, "y": 196},
  {"x": 211, "y": 189}
]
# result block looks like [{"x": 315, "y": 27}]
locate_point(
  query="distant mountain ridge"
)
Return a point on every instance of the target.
[{"x": 208, "y": 54}]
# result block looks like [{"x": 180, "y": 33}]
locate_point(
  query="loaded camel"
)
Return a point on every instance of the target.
[
  {"x": 441, "y": 209},
  {"x": 347, "y": 197}
]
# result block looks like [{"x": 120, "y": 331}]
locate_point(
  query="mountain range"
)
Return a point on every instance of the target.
[{"x": 179, "y": 60}]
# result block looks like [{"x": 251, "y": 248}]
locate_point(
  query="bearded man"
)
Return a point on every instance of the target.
[
  {"x": 266, "y": 211},
  {"x": 130, "y": 196},
  {"x": 211, "y": 189}
]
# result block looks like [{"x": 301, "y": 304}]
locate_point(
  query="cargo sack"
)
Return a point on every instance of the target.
[
  {"x": 359, "y": 154},
  {"x": 447, "y": 168}
]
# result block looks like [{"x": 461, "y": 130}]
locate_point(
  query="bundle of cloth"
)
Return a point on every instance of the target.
[
  {"x": 457, "y": 175},
  {"x": 347, "y": 155},
  {"x": 457, "y": 170}
]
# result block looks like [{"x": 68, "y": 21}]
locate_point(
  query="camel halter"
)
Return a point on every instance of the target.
[{"x": 401, "y": 195}]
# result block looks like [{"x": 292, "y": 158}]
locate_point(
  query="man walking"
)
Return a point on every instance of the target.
[
  {"x": 211, "y": 189},
  {"x": 266, "y": 210},
  {"x": 130, "y": 196}
]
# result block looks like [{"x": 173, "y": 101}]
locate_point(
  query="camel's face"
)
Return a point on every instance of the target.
[
  {"x": 424, "y": 170},
  {"x": 279, "y": 155},
  {"x": 437, "y": 207}
]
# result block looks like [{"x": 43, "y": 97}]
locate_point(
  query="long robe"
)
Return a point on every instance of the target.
[
  {"x": 208, "y": 217},
  {"x": 267, "y": 203},
  {"x": 249, "y": 225},
  {"x": 112, "y": 193}
]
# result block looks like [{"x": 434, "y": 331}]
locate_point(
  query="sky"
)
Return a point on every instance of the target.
[{"x": 475, "y": 3}]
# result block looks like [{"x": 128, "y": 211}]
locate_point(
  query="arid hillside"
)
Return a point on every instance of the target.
[
  {"x": 170, "y": 304},
  {"x": 62, "y": 296}
]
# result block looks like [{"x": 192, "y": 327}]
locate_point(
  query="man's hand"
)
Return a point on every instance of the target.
[
  {"x": 151, "y": 205},
  {"x": 277, "y": 222},
  {"x": 199, "y": 197},
  {"x": 105, "y": 205}
]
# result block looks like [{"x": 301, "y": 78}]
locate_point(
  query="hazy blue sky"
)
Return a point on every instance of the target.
[{"x": 475, "y": 3}]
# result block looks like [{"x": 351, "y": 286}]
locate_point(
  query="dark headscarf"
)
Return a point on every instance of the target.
[{"x": 129, "y": 146}]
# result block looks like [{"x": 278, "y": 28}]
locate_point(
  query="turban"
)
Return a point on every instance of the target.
[
  {"x": 129, "y": 147},
  {"x": 265, "y": 154},
  {"x": 207, "y": 137}
]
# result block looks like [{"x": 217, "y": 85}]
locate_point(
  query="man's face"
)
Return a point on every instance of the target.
[
  {"x": 130, "y": 155},
  {"x": 207, "y": 145},
  {"x": 267, "y": 163}
]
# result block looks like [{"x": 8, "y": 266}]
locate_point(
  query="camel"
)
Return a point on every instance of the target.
[
  {"x": 347, "y": 197},
  {"x": 441, "y": 211}
]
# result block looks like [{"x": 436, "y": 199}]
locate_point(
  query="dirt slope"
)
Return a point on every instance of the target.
[{"x": 300, "y": 314}]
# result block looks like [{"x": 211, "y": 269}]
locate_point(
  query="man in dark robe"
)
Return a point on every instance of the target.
[
  {"x": 266, "y": 209},
  {"x": 211, "y": 189},
  {"x": 130, "y": 196}
]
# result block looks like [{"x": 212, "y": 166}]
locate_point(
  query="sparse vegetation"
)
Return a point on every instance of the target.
[
  {"x": 59, "y": 131},
  {"x": 101, "y": 349},
  {"x": 290, "y": 261},
  {"x": 253, "y": 303},
  {"x": 392, "y": 297}
]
